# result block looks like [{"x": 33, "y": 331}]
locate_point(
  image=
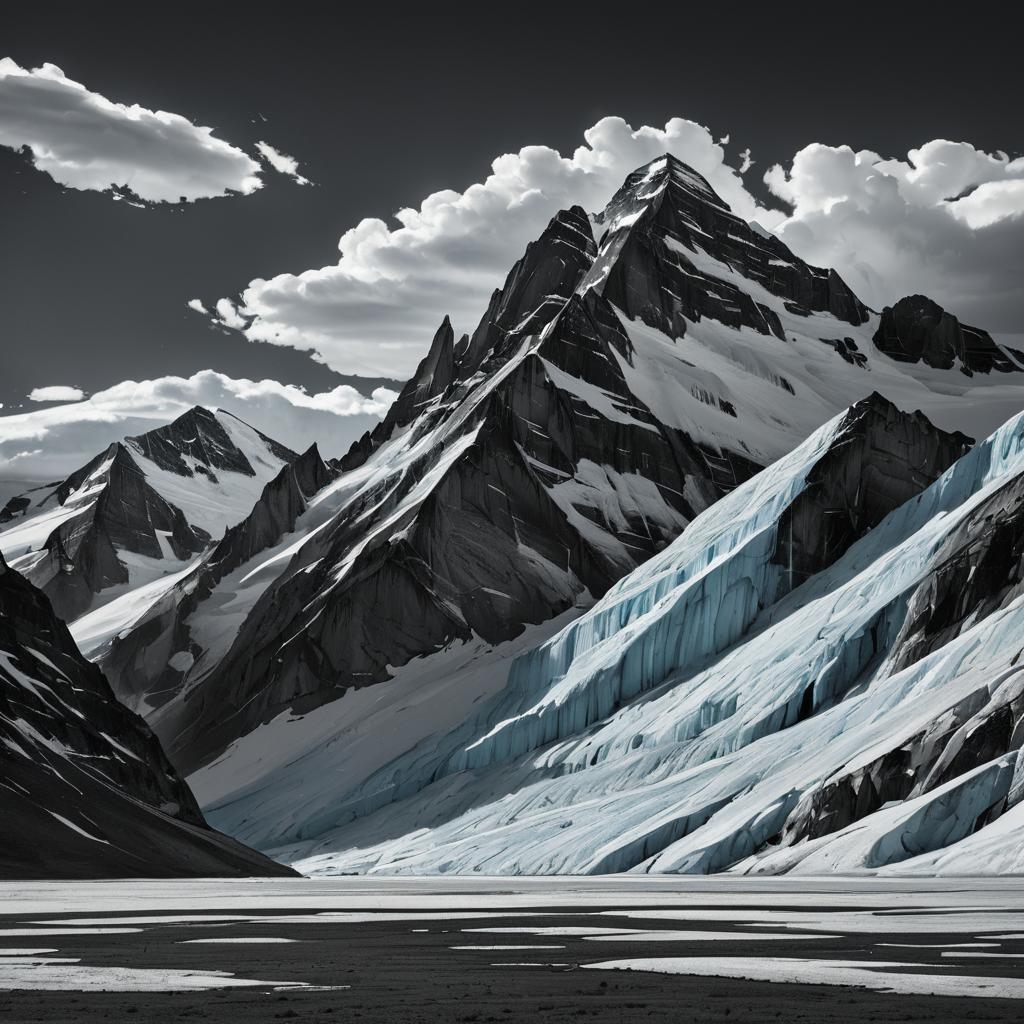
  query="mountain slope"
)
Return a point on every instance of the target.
[
  {"x": 802, "y": 682},
  {"x": 636, "y": 367},
  {"x": 144, "y": 507},
  {"x": 86, "y": 790},
  {"x": 160, "y": 635}
]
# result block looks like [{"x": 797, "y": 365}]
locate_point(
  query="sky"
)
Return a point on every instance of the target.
[{"x": 297, "y": 138}]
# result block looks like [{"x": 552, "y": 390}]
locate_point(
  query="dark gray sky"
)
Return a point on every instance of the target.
[{"x": 383, "y": 107}]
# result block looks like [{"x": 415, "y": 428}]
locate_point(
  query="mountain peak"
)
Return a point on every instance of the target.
[
  {"x": 199, "y": 440},
  {"x": 917, "y": 329}
]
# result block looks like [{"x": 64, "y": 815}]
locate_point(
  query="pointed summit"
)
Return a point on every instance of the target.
[
  {"x": 672, "y": 251},
  {"x": 200, "y": 441},
  {"x": 536, "y": 288}
]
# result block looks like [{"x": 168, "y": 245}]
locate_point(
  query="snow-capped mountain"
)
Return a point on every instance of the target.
[
  {"x": 823, "y": 673},
  {"x": 155, "y": 638},
  {"x": 85, "y": 787},
  {"x": 142, "y": 508},
  {"x": 636, "y": 367}
]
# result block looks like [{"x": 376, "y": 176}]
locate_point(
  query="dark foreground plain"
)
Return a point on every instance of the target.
[{"x": 388, "y": 950}]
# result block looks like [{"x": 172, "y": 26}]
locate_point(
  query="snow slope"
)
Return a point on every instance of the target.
[{"x": 703, "y": 716}]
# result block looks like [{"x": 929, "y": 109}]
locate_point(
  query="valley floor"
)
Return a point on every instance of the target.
[{"x": 618, "y": 948}]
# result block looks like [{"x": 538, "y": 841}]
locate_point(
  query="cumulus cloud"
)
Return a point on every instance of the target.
[
  {"x": 281, "y": 162},
  {"x": 197, "y": 305},
  {"x": 945, "y": 221},
  {"x": 85, "y": 141},
  {"x": 55, "y": 441},
  {"x": 56, "y": 393},
  {"x": 376, "y": 308},
  {"x": 228, "y": 315}
]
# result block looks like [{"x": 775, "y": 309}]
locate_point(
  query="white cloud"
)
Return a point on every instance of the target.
[
  {"x": 889, "y": 227},
  {"x": 281, "y": 162},
  {"x": 56, "y": 393},
  {"x": 990, "y": 203},
  {"x": 376, "y": 309},
  {"x": 55, "y": 441},
  {"x": 228, "y": 315},
  {"x": 85, "y": 141},
  {"x": 948, "y": 222},
  {"x": 198, "y": 306}
]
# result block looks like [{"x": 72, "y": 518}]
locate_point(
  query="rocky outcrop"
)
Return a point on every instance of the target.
[
  {"x": 536, "y": 288},
  {"x": 880, "y": 459},
  {"x": 87, "y": 790},
  {"x": 916, "y": 329}
]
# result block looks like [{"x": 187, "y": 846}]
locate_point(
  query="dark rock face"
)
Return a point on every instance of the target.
[
  {"x": 81, "y": 554},
  {"x": 919, "y": 330},
  {"x": 978, "y": 570},
  {"x": 882, "y": 458},
  {"x": 535, "y": 290},
  {"x": 141, "y": 662},
  {"x": 88, "y": 791},
  {"x": 200, "y": 435},
  {"x": 670, "y": 211}
]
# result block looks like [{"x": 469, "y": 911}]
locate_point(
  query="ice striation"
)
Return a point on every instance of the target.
[{"x": 753, "y": 698}]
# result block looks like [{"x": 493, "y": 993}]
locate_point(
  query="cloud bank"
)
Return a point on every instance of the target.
[
  {"x": 85, "y": 141},
  {"x": 947, "y": 221},
  {"x": 50, "y": 443},
  {"x": 56, "y": 393}
]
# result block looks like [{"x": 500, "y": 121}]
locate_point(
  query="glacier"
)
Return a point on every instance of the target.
[{"x": 687, "y": 720}]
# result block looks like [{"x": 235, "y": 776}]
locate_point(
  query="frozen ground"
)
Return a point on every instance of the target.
[{"x": 618, "y": 948}]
